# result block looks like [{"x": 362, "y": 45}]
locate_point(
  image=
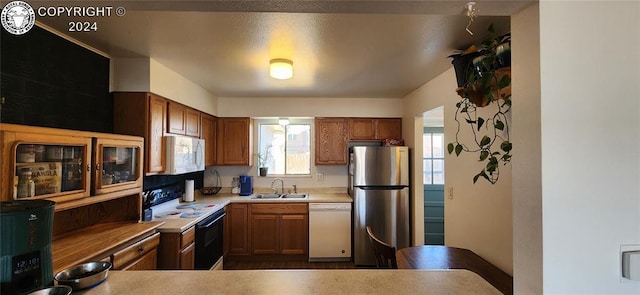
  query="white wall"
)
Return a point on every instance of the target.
[
  {"x": 590, "y": 122},
  {"x": 479, "y": 217},
  {"x": 165, "y": 82},
  {"x": 130, "y": 74},
  {"x": 309, "y": 107},
  {"x": 527, "y": 187},
  {"x": 148, "y": 75}
]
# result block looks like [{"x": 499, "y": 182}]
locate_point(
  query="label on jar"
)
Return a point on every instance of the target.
[
  {"x": 47, "y": 177},
  {"x": 25, "y": 154}
]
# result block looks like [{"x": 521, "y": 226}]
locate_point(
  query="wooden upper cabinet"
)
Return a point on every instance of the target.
[
  {"x": 389, "y": 128},
  {"x": 177, "y": 118},
  {"x": 375, "y": 128},
  {"x": 362, "y": 129},
  {"x": 183, "y": 120},
  {"x": 209, "y": 133},
  {"x": 234, "y": 141},
  {"x": 192, "y": 122},
  {"x": 143, "y": 114},
  {"x": 154, "y": 144},
  {"x": 331, "y": 141}
]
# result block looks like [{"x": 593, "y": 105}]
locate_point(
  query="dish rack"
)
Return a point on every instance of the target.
[{"x": 212, "y": 190}]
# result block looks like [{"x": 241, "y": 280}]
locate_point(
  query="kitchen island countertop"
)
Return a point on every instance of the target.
[{"x": 359, "y": 281}]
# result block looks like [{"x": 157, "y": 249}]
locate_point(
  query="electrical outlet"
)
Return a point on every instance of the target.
[
  {"x": 450, "y": 193},
  {"x": 632, "y": 264},
  {"x": 319, "y": 177}
]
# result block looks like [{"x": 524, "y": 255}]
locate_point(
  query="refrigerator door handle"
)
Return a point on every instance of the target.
[{"x": 372, "y": 188}]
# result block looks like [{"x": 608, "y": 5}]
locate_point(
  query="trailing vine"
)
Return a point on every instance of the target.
[{"x": 493, "y": 144}]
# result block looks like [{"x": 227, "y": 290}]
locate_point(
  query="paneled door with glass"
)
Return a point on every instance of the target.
[
  {"x": 38, "y": 163},
  {"x": 118, "y": 165}
]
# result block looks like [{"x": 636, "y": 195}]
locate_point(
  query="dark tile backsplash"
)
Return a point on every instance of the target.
[
  {"x": 156, "y": 181},
  {"x": 51, "y": 82}
]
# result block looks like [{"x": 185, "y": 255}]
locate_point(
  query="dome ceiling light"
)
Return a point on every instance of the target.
[{"x": 281, "y": 69}]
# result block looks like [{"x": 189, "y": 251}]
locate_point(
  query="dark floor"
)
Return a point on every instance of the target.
[{"x": 241, "y": 265}]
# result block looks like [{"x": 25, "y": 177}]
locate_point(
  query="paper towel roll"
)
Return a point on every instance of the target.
[{"x": 188, "y": 191}]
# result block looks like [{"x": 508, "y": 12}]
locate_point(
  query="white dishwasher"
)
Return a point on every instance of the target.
[{"x": 329, "y": 232}]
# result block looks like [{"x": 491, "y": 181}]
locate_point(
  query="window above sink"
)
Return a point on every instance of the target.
[{"x": 288, "y": 147}]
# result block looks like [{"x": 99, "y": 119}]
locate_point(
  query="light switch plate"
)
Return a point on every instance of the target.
[
  {"x": 627, "y": 248},
  {"x": 319, "y": 176}
]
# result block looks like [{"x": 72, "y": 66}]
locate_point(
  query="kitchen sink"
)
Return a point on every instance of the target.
[
  {"x": 295, "y": 196},
  {"x": 266, "y": 196}
]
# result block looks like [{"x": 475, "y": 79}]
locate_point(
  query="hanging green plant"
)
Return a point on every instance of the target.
[
  {"x": 483, "y": 112},
  {"x": 490, "y": 136}
]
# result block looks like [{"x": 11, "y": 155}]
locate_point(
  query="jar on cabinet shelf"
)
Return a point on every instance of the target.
[
  {"x": 26, "y": 153},
  {"x": 26, "y": 185}
]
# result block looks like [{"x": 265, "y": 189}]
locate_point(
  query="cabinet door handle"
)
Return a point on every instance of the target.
[
  {"x": 88, "y": 167},
  {"x": 98, "y": 167},
  {"x": 140, "y": 249}
]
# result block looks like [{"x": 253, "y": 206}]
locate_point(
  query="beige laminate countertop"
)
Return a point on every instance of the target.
[
  {"x": 294, "y": 282},
  {"x": 182, "y": 224}
]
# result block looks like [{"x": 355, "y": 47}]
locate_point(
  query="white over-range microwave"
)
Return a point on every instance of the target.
[{"x": 184, "y": 154}]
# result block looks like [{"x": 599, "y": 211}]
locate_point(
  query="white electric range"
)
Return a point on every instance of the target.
[
  {"x": 163, "y": 204},
  {"x": 207, "y": 219}
]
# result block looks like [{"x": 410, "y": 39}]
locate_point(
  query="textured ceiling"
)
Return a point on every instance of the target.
[{"x": 339, "y": 48}]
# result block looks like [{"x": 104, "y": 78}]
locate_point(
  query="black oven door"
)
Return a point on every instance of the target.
[{"x": 208, "y": 242}]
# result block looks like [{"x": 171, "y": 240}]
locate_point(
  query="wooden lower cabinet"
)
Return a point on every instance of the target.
[
  {"x": 279, "y": 229},
  {"x": 267, "y": 231},
  {"x": 142, "y": 255},
  {"x": 238, "y": 217},
  {"x": 145, "y": 262},
  {"x": 264, "y": 234},
  {"x": 177, "y": 250},
  {"x": 188, "y": 257},
  {"x": 294, "y": 232}
]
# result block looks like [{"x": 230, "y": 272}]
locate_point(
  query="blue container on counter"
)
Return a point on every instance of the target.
[{"x": 246, "y": 185}]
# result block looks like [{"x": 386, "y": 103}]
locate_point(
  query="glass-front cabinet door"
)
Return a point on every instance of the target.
[
  {"x": 118, "y": 165},
  {"x": 56, "y": 169}
]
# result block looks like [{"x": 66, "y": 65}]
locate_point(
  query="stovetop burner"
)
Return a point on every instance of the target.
[
  {"x": 178, "y": 214},
  {"x": 194, "y": 214},
  {"x": 173, "y": 209}
]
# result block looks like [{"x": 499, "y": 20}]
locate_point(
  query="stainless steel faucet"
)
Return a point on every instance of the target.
[
  {"x": 295, "y": 189},
  {"x": 281, "y": 185}
]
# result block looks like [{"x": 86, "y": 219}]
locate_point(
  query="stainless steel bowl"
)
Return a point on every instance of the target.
[
  {"x": 57, "y": 290},
  {"x": 84, "y": 275}
]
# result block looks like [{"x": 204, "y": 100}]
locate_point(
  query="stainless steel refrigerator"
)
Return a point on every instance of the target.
[{"x": 379, "y": 186}]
